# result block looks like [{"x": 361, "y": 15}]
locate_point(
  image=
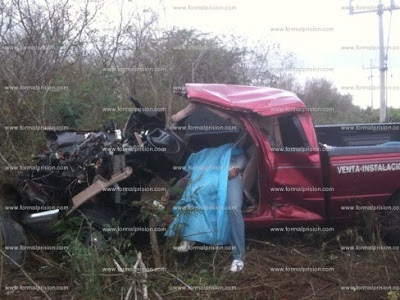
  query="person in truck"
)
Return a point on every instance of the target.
[
  {"x": 234, "y": 205},
  {"x": 210, "y": 209},
  {"x": 222, "y": 188}
]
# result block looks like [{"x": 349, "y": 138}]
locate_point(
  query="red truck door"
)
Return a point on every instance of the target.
[{"x": 297, "y": 180}]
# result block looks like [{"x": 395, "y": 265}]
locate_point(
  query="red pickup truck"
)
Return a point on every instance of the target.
[
  {"x": 306, "y": 174},
  {"x": 296, "y": 173}
]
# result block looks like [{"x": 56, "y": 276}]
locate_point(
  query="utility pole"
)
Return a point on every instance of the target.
[
  {"x": 382, "y": 66},
  {"x": 370, "y": 77},
  {"x": 382, "y": 61}
]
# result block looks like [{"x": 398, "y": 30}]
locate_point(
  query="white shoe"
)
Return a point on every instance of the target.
[
  {"x": 237, "y": 265},
  {"x": 185, "y": 246}
]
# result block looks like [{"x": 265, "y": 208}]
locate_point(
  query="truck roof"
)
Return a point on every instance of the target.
[{"x": 264, "y": 101}]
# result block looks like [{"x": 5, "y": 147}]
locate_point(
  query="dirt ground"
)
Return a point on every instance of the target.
[{"x": 206, "y": 272}]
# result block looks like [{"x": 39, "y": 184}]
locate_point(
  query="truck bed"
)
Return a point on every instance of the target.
[
  {"x": 360, "y": 175},
  {"x": 370, "y": 134}
]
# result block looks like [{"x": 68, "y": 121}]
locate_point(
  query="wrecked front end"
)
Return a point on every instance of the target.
[{"x": 97, "y": 173}]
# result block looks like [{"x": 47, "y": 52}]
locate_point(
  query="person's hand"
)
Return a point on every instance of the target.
[{"x": 233, "y": 173}]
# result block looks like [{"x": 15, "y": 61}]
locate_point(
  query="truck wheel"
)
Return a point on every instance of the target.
[
  {"x": 390, "y": 221},
  {"x": 12, "y": 198},
  {"x": 12, "y": 238},
  {"x": 44, "y": 230}
]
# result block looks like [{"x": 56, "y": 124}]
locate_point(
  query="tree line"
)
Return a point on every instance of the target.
[{"x": 63, "y": 62}]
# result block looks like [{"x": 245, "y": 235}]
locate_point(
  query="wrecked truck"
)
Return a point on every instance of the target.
[{"x": 296, "y": 173}]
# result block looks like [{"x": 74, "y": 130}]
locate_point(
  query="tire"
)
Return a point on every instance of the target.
[
  {"x": 13, "y": 235},
  {"x": 43, "y": 230},
  {"x": 389, "y": 221},
  {"x": 10, "y": 196}
]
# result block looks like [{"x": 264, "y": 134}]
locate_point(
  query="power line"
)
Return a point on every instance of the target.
[
  {"x": 370, "y": 77},
  {"x": 380, "y": 9}
]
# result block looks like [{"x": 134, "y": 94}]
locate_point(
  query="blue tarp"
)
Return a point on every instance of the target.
[{"x": 201, "y": 214}]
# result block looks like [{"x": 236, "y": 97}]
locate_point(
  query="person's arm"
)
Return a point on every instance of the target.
[
  {"x": 183, "y": 113},
  {"x": 226, "y": 116},
  {"x": 233, "y": 172},
  {"x": 236, "y": 165},
  {"x": 181, "y": 183}
]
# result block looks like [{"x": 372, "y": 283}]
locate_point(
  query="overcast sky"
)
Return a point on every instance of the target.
[{"x": 256, "y": 20}]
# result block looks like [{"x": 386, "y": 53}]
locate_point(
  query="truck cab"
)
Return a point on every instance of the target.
[{"x": 300, "y": 179}]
